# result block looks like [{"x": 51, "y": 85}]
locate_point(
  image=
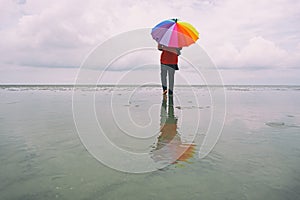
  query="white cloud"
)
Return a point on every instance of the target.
[
  {"x": 261, "y": 52},
  {"x": 235, "y": 33},
  {"x": 258, "y": 53},
  {"x": 225, "y": 55}
]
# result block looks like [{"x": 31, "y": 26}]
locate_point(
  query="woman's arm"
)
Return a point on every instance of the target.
[
  {"x": 170, "y": 49},
  {"x": 173, "y": 50}
]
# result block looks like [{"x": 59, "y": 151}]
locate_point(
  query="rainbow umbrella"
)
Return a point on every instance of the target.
[{"x": 174, "y": 33}]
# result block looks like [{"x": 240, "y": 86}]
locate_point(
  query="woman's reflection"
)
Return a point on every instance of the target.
[{"x": 169, "y": 147}]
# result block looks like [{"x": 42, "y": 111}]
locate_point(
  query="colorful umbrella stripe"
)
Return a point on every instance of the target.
[{"x": 174, "y": 33}]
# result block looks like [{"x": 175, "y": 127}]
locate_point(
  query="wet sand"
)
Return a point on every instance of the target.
[{"x": 256, "y": 157}]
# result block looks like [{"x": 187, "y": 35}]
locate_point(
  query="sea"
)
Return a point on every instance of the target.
[{"x": 235, "y": 142}]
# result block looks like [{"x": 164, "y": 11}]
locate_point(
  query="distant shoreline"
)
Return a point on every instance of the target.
[{"x": 153, "y": 85}]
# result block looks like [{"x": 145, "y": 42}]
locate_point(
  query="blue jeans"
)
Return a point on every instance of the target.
[{"x": 165, "y": 69}]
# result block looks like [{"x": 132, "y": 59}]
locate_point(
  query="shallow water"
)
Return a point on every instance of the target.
[{"x": 256, "y": 157}]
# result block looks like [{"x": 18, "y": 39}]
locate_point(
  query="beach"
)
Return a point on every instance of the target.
[{"x": 46, "y": 151}]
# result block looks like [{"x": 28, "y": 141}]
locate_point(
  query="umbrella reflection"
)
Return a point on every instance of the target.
[{"x": 169, "y": 147}]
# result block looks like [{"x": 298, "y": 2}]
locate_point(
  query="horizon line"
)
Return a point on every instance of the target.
[{"x": 150, "y": 85}]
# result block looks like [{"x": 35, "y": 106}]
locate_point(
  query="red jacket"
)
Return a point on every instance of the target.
[{"x": 168, "y": 57}]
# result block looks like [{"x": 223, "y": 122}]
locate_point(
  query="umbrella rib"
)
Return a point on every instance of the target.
[
  {"x": 186, "y": 36},
  {"x": 174, "y": 39},
  {"x": 190, "y": 31},
  {"x": 165, "y": 40},
  {"x": 175, "y": 33}
]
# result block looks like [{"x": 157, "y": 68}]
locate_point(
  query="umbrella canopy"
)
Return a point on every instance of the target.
[{"x": 174, "y": 33}]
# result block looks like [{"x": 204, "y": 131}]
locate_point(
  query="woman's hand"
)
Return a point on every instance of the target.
[{"x": 160, "y": 47}]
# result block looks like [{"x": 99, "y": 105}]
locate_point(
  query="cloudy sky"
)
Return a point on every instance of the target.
[{"x": 250, "y": 42}]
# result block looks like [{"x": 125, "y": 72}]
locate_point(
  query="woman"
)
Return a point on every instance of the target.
[{"x": 168, "y": 60}]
